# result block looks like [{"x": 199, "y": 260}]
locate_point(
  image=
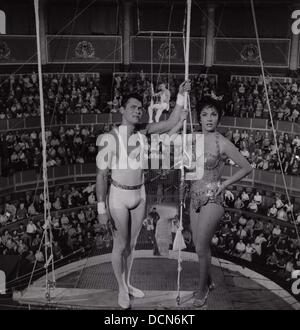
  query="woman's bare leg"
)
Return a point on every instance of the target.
[{"x": 203, "y": 226}]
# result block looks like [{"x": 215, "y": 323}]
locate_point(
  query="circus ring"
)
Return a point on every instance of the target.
[{"x": 90, "y": 284}]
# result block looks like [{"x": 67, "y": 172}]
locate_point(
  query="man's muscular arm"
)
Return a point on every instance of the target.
[{"x": 105, "y": 144}]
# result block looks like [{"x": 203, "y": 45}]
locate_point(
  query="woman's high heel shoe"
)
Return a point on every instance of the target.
[
  {"x": 201, "y": 302},
  {"x": 124, "y": 300}
]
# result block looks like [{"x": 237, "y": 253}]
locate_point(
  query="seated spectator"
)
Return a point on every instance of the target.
[
  {"x": 21, "y": 212},
  {"x": 57, "y": 204},
  {"x": 282, "y": 215},
  {"x": 215, "y": 241},
  {"x": 242, "y": 220},
  {"x": 10, "y": 210},
  {"x": 225, "y": 230},
  {"x": 89, "y": 189},
  {"x": 272, "y": 212},
  {"x": 240, "y": 247},
  {"x": 252, "y": 206},
  {"x": 238, "y": 204},
  {"x": 272, "y": 261},
  {"x": 3, "y": 218},
  {"x": 229, "y": 198},
  {"x": 250, "y": 226},
  {"x": 245, "y": 197},
  {"x": 276, "y": 231},
  {"x": 227, "y": 217},
  {"x": 257, "y": 198},
  {"x": 241, "y": 233},
  {"x": 289, "y": 268},
  {"x": 259, "y": 240},
  {"x": 279, "y": 204},
  {"x": 249, "y": 251},
  {"x": 64, "y": 221},
  {"x": 39, "y": 257},
  {"x": 92, "y": 199},
  {"x": 81, "y": 217},
  {"x": 31, "y": 230},
  {"x": 258, "y": 227},
  {"x": 32, "y": 210}
]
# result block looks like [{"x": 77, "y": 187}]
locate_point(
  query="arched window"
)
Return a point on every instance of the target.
[{"x": 2, "y": 22}]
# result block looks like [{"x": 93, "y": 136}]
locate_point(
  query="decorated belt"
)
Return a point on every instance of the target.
[{"x": 123, "y": 186}]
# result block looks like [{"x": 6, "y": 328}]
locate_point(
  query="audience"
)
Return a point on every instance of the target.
[{"x": 63, "y": 94}]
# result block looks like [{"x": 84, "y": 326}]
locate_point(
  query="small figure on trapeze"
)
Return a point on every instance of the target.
[{"x": 160, "y": 102}]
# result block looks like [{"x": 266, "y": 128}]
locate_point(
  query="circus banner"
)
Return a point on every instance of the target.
[
  {"x": 17, "y": 49},
  {"x": 166, "y": 50},
  {"x": 244, "y": 52},
  {"x": 84, "y": 49}
]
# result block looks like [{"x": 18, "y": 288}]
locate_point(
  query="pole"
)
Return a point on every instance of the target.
[
  {"x": 182, "y": 177},
  {"x": 44, "y": 148}
]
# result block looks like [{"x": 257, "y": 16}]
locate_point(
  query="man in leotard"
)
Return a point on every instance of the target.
[
  {"x": 161, "y": 105},
  {"x": 126, "y": 200}
]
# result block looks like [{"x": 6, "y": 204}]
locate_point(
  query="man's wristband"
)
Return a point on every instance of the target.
[
  {"x": 101, "y": 208},
  {"x": 180, "y": 100}
]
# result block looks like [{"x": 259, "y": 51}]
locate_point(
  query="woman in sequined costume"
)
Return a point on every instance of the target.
[{"x": 206, "y": 208}]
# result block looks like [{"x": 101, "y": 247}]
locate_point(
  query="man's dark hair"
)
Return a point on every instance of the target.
[{"x": 131, "y": 96}]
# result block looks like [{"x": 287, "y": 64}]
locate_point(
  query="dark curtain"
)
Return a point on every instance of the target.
[
  {"x": 168, "y": 17},
  {"x": 237, "y": 21},
  {"x": 97, "y": 19},
  {"x": 19, "y": 17}
]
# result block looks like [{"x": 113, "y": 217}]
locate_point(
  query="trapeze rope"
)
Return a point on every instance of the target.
[{"x": 270, "y": 113}]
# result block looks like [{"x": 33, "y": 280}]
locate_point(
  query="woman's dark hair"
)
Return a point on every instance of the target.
[
  {"x": 208, "y": 102},
  {"x": 131, "y": 96}
]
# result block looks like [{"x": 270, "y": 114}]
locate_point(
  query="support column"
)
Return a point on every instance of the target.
[
  {"x": 126, "y": 32},
  {"x": 294, "y": 52},
  {"x": 43, "y": 25},
  {"x": 210, "y": 34}
]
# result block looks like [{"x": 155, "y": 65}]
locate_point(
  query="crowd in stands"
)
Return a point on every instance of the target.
[
  {"x": 247, "y": 98},
  {"x": 241, "y": 233},
  {"x": 22, "y": 150},
  {"x": 260, "y": 149},
  {"x": 141, "y": 83},
  {"x": 262, "y": 242},
  {"x": 63, "y": 94},
  {"x": 86, "y": 93},
  {"x": 257, "y": 202},
  {"x": 78, "y": 229}
]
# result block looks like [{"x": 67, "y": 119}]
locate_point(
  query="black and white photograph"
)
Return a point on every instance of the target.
[{"x": 149, "y": 158}]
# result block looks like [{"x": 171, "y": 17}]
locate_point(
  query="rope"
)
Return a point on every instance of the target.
[
  {"x": 182, "y": 179},
  {"x": 271, "y": 117},
  {"x": 162, "y": 58},
  {"x": 47, "y": 215}
]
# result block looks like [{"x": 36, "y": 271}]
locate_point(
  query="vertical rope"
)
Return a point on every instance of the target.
[
  {"x": 47, "y": 215},
  {"x": 182, "y": 177},
  {"x": 151, "y": 58},
  {"x": 169, "y": 60}
]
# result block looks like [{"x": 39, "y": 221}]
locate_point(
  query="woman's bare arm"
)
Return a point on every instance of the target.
[{"x": 233, "y": 153}]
